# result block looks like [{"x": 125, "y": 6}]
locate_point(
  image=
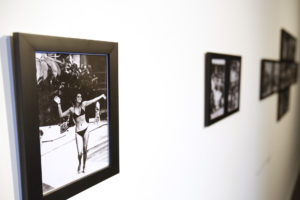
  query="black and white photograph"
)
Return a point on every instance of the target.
[
  {"x": 72, "y": 97},
  {"x": 285, "y": 43},
  {"x": 283, "y": 102},
  {"x": 234, "y": 85},
  {"x": 217, "y": 93},
  {"x": 222, "y": 86},
  {"x": 267, "y": 70},
  {"x": 284, "y": 81},
  {"x": 288, "y": 46},
  {"x": 276, "y": 75},
  {"x": 67, "y": 114},
  {"x": 270, "y": 77}
]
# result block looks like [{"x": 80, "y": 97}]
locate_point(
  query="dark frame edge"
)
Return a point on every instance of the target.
[
  {"x": 114, "y": 86},
  {"x": 206, "y": 91},
  {"x": 15, "y": 39}
]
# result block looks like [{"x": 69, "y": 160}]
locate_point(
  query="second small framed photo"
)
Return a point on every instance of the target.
[
  {"x": 222, "y": 86},
  {"x": 269, "y": 79}
]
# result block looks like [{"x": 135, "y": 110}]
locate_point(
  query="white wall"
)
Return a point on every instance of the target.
[{"x": 165, "y": 151}]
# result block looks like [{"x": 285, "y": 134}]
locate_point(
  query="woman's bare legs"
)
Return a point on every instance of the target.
[
  {"x": 85, "y": 146},
  {"x": 79, "y": 145}
]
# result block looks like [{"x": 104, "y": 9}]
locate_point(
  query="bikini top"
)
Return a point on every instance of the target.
[{"x": 82, "y": 112}]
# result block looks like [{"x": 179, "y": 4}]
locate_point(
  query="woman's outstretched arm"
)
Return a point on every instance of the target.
[
  {"x": 89, "y": 102},
  {"x": 60, "y": 112}
]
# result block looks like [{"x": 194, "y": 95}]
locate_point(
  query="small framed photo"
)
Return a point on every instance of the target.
[
  {"x": 283, "y": 102},
  {"x": 266, "y": 83},
  {"x": 67, "y": 114},
  {"x": 288, "y": 46},
  {"x": 222, "y": 86},
  {"x": 269, "y": 80},
  {"x": 284, "y": 49}
]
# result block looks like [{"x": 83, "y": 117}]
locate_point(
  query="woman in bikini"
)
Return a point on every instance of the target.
[{"x": 81, "y": 126}]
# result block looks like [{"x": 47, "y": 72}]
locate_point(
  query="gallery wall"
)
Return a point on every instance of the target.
[{"x": 165, "y": 151}]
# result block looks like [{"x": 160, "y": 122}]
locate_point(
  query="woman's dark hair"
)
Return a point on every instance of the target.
[{"x": 74, "y": 97}]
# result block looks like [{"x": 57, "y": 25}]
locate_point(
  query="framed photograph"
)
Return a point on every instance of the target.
[
  {"x": 288, "y": 46},
  {"x": 284, "y": 49},
  {"x": 222, "y": 86},
  {"x": 283, "y": 102},
  {"x": 67, "y": 114},
  {"x": 269, "y": 80},
  {"x": 266, "y": 79}
]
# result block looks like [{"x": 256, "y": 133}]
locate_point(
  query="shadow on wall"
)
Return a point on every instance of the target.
[{"x": 8, "y": 83}]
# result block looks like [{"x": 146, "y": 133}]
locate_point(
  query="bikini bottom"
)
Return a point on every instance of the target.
[{"x": 81, "y": 133}]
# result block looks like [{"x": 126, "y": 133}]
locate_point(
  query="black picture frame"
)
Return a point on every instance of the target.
[
  {"x": 222, "y": 65},
  {"x": 287, "y": 46},
  {"x": 270, "y": 77},
  {"x": 288, "y": 71},
  {"x": 24, "y": 48}
]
